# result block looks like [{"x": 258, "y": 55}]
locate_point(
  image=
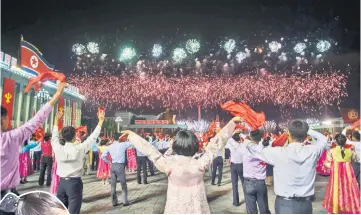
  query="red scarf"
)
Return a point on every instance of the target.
[
  {"x": 253, "y": 119},
  {"x": 43, "y": 77}
]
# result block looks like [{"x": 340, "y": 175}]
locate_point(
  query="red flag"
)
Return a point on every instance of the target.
[
  {"x": 211, "y": 128},
  {"x": 281, "y": 140},
  {"x": 61, "y": 109},
  {"x": 8, "y": 97},
  {"x": 32, "y": 60},
  {"x": 46, "y": 76},
  {"x": 253, "y": 119}
]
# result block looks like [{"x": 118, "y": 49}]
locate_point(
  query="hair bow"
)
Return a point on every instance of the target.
[{"x": 10, "y": 203}]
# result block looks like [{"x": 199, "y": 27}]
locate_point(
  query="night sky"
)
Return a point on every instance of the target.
[{"x": 54, "y": 26}]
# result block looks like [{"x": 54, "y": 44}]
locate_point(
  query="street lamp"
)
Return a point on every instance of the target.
[{"x": 43, "y": 95}]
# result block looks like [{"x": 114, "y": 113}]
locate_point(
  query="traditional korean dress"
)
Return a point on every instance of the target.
[
  {"x": 54, "y": 178},
  {"x": 103, "y": 171},
  {"x": 342, "y": 193},
  {"x": 25, "y": 163}
]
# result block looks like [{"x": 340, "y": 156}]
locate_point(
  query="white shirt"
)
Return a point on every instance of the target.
[
  {"x": 238, "y": 150},
  {"x": 70, "y": 156},
  {"x": 294, "y": 165}
]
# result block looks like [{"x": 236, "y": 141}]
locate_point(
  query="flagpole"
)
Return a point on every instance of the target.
[{"x": 19, "y": 51}]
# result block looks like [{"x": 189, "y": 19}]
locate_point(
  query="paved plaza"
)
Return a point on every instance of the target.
[{"x": 151, "y": 198}]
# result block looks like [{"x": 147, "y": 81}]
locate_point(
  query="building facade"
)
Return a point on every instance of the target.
[{"x": 22, "y": 106}]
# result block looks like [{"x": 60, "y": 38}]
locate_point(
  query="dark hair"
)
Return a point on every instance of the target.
[
  {"x": 68, "y": 133},
  {"x": 26, "y": 142},
  {"x": 348, "y": 132},
  {"x": 341, "y": 141},
  {"x": 256, "y": 135},
  {"x": 116, "y": 136},
  {"x": 186, "y": 143},
  {"x": 147, "y": 138},
  {"x": 32, "y": 137},
  {"x": 265, "y": 141},
  {"x": 4, "y": 112},
  {"x": 236, "y": 137},
  {"x": 104, "y": 142},
  {"x": 298, "y": 130},
  {"x": 356, "y": 135},
  {"x": 47, "y": 137},
  {"x": 39, "y": 203}
]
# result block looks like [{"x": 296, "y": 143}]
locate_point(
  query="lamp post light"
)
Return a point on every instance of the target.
[{"x": 43, "y": 95}]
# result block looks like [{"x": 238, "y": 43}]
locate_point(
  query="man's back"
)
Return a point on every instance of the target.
[
  {"x": 117, "y": 151},
  {"x": 295, "y": 166}
]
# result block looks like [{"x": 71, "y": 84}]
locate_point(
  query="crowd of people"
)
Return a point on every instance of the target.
[{"x": 293, "y": 159}]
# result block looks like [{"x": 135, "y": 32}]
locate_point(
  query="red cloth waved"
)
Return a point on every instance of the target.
[
  {"x": 80, "y": 129},
  {"x": 253, "y": 119},
  {"x": 43, "y": 77},
  {"x": 211, "y": 129},
  {"x": 39, "y": 134},
  {"x": 281, "y": 140}
]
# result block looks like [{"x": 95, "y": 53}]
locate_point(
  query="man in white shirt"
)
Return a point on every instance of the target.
[
  {"x": 294, "y": 168},
  {"x": 70, "y": 162},
  {"x": 238, "y": 150}
]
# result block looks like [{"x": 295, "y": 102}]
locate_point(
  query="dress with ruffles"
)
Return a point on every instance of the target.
[{"x": 342, "y": 193}]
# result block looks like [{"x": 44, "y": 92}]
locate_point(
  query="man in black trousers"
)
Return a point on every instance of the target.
[
  {"x": 46, "y": 162},
  {"x": 95, "y": 155},
  {"x": 217, "y": 163},
  {"x": 70, "y": 162},
  {"x": 142, "y": 165},
  {"x": 237, "y": 151}
]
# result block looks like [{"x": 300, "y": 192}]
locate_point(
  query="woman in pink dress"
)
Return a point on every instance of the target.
[
  {"x": 103, "y": 171},
  {"x": 54, "y": 178},
  {"x": 186, "y": 192},
  {"x": 321, "y": 169},
  {"x": 25, "y": 164}
]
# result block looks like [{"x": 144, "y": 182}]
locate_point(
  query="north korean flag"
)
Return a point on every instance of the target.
[{"x": 32, "y": 60}]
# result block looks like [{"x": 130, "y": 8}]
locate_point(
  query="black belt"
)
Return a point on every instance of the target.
[
  {"x": 254, "y": 179},
  {"x": 70, "y": 178},
  {"x": 299, "y": 199},
  {"x": 117, "y": 163}
]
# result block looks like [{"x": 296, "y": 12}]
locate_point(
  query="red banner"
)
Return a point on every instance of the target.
[
  {"x": 61, "y": 109},
  {"x": 151, "y": 122},
  {"x": 350, "y": 115},
  {"x": 73, "y": 114},
  {"x": 8, "y": 97}
]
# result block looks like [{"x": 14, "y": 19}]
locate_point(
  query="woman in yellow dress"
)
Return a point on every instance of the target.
[{"x": 342, "y": 193}]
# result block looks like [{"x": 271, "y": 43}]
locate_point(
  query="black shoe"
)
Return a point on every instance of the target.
[
  {"x": 26, "y": 181},
  {"x": 22, "y": 182},
  {"x": 237, "y": 205},
  {"x": 48, "y": 185},
  {"x": 219, "y": 185},
  {"x": 126, "y": 204},
  {"x": 115, "y": 205},
  {"x": 139, "y": 182},
  {"x": 213, "y": 184},
  {"x": 145, "y": 183}
]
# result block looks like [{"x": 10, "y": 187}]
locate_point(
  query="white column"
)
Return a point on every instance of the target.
[
  {"x": 19, "y": 107},
  {"x": 27, "y": 107}
]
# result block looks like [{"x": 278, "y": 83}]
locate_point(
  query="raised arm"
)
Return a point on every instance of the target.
[
  {"x": 149, "y": 150},
  {"x": 320, "y": 140},
  {"x": 24, "y": 132},
  {"x": 217, "y": 143},
  {"x": 85, "y": 146},
  {"x": 55, "y": 142}
]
